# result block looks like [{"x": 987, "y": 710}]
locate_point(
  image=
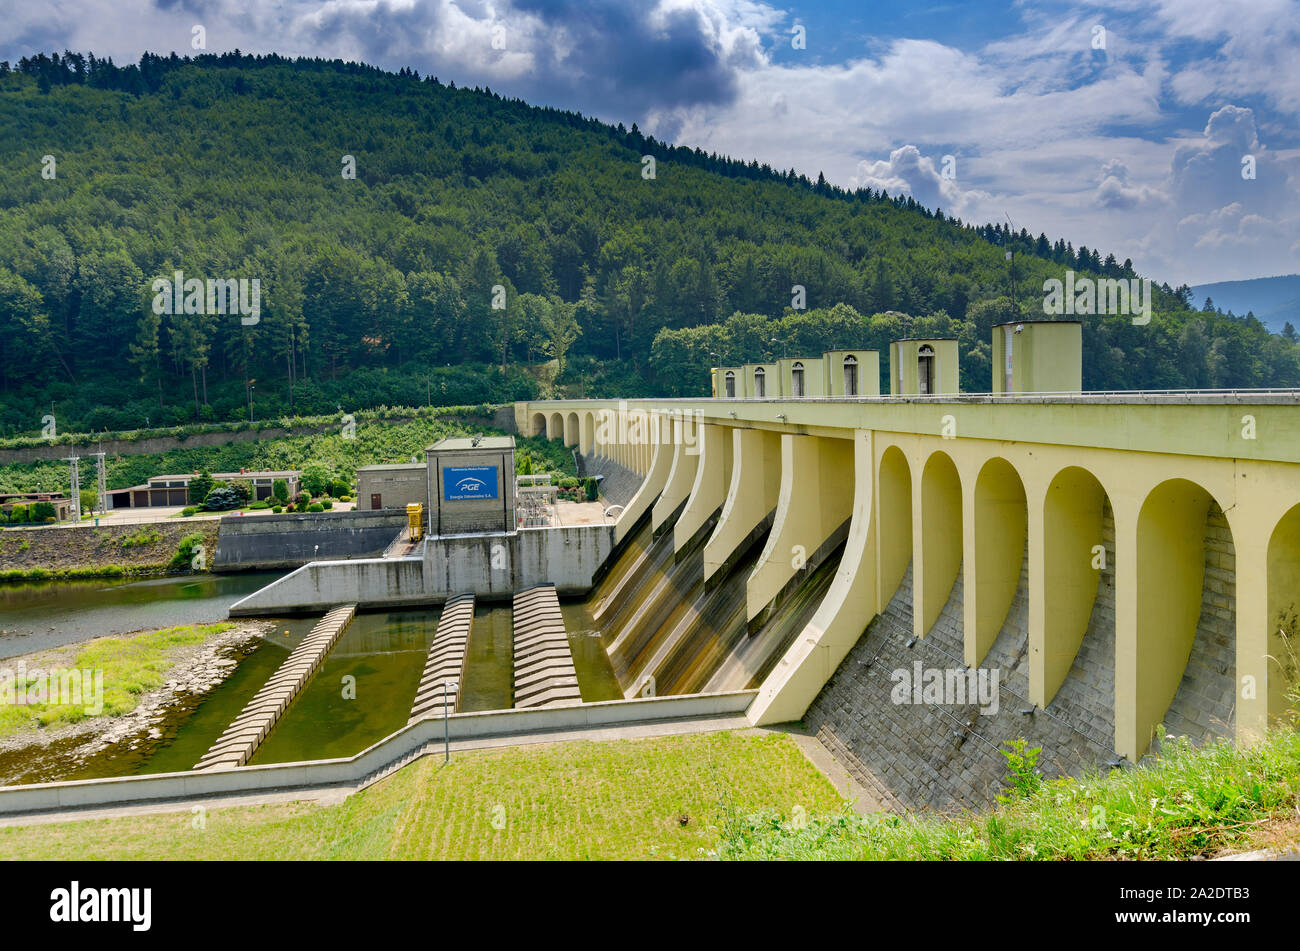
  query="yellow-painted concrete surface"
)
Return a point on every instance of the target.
[
  {"x": 965, "y": 483},
  {"x": 751, "y": 496}
]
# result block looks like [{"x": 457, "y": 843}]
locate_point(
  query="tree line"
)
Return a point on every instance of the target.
[{"x": 480, "y": 238}]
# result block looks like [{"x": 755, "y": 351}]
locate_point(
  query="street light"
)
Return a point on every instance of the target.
[{"x": 250, "y": 399}]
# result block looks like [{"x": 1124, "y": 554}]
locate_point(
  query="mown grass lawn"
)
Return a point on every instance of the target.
[
  {"x": 628, "y": 799},
  {"x": 131, "y": 666}
]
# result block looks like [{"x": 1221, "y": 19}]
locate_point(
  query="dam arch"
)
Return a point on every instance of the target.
[
  {"x": 1000, "y": 527},
  {"x": 894, "y": 520},
  {"x": 1076, "y": 557},
  {"x": 571, "y": 429},
  {"x": 1283, "y": 579},
  {"x": 537, "y": 425},
  {"x": 938, "y": 544},
  {"x": 1177, "y": 666}
]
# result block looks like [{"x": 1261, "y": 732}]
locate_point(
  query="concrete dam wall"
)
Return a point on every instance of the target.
[{"x": 288, "y": 541}]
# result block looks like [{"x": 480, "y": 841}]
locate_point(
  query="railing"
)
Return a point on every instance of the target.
[{"x": 1205, "y": 396}]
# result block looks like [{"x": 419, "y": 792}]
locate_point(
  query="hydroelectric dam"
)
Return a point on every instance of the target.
[{"x": 920, "y": 578}]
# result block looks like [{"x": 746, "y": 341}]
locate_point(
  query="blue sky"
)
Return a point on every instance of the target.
[{"x": 1122, "y": 126}]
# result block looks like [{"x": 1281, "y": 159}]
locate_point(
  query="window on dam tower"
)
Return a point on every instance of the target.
[{"x": 850, "y": 375}]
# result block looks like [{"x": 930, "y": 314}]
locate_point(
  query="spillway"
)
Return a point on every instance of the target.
[{"x": 667, "y": 631}]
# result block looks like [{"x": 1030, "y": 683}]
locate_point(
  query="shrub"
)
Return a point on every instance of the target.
[
  {"x": 304, "y": 499},
  {"x": 18, "y": 514},
  {"x": 200, "y": 486},
  {"x": 260, "y": 505},
  {"x": 315, "y": 507},
  {"x": 184, "y": 557},
  {"x": 326, "y": 503},
  {"x": 340, "y": 488},
  {"x": 593, "y": 491},
  {"x": 277, "y": 509},
  {"x": 221, "y": 499},
  {"x": 280, "y": 491},
  {"x": 145, "y": 535},
  {"x": 189, "y": 510},
  {"x": 316, "y": 477},
  {"x": 42, "y": 512},
  {"x": 242, "y": 488},
  {"x": 345, "y": 498}
]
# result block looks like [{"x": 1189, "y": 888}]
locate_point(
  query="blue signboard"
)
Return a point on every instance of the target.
[{"x": 469, "y": 483}]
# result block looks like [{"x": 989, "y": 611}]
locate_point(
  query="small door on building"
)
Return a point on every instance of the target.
[
  {"x": 760, "y": 383},
  {"x": 375, "y": 501},
  {"x": 850, "y": 375},
  {"x": 925, "y": 370},
  {"x": 731, "y": 386},
  {"x": 796, "y": 379}
]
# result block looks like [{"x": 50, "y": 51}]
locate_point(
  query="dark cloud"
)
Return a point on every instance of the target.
[{"x": 614, "y": 60}]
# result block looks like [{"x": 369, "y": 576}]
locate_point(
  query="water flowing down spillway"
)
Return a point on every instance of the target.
[
  {"x": 659, "y": 619},
  {"x": 750, "y": 659}
]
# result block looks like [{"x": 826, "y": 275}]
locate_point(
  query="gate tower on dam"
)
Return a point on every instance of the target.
[{"x": 1132, "y": 558}]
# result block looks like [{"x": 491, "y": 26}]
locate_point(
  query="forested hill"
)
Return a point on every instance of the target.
[{"x": 378, "y": 288}]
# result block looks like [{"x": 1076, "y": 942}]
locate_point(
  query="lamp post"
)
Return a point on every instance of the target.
[
  {"x": 250, "y": 399},
  {"x": 447, "y": 686}
]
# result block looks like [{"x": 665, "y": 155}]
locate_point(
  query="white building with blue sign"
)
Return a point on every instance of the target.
[{"x": 471, "y": 485}]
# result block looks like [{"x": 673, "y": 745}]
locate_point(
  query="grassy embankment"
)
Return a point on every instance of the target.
[
  {"x": 131, "y": 666},
  {"x": 61, "y": 552},
  {"x": 1188, "y": 802},
  {"x": 730, "y": 795}
]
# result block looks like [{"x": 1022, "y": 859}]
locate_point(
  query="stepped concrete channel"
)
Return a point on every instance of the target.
[
  {"x": 439, "y": 691},
  {"x": 240, "y": 740},
  {"x": 544, "y": 671}
]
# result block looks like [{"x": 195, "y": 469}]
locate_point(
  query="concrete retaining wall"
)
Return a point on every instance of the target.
[
  {"x": 496, "y": 566},
  {"x": 353, "y": 770},
  {"x": 365, "y": 582},
  {"x": 491, "y": 567},
  {"x": 287, "y": 541}
]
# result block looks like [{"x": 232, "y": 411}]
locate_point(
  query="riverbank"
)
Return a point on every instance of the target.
[
  {"x": 133, "y": 691},
  {"x": 85, "y": 551}
]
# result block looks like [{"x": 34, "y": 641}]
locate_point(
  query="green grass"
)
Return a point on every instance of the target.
[
  {"x": 93, "y": 571},
  {"x": 1187, "y": 802},
  {"x": 623, "y": 799},
  {"x": 131, "y": 666},
  {"x": 147, "y": 535}
]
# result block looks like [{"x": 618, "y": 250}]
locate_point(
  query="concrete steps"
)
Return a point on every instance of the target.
[
  {"x": 237, "y": 744},
  {"x": 446, "y": 660},
  {"x": 544, "y": 672}
]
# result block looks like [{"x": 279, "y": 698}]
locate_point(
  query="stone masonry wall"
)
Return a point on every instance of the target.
[
  {"x": 946, "y": 757},
  {"x": 1204, "y": 707}
]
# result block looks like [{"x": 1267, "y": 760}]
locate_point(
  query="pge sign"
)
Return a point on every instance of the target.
[{"x": 469, "y": 483}]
